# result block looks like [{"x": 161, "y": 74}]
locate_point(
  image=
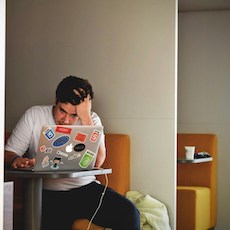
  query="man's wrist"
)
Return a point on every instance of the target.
[
  {"x": 88, "y": 121},
  {"x": 12, "y": 160}
]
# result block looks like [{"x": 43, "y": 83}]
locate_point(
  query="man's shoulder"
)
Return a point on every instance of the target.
[
  {"x": 96, "y": 118},
  {"x": 38, "y": 108}
]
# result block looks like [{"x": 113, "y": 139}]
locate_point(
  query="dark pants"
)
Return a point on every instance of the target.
[{"x": 62, "y": 208}]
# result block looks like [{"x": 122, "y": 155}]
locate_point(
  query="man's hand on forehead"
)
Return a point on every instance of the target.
[
  {"x": 83, "y": 110},
  {"x": 81, "y": 93}
]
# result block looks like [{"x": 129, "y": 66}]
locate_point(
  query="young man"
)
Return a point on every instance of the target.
[{"x": 68, "y": 199}]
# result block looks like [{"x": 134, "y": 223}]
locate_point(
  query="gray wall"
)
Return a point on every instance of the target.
[
  {"x": 126, "y": 49},
  {"x": 203, "y": 90}
]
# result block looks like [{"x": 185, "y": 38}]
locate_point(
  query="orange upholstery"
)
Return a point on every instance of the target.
[
  {"x": 118, "y": 158},
  {"x": 201, "y": 175},
  {"x": 195, "y": 201},
  {"x": 82, "y": 224}
]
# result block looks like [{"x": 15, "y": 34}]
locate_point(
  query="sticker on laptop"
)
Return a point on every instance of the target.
[
  {"x": 64, "y": 130},
  {"x": 45, "y": 162},
  {"x": 62, "y": 153},
  {"x": 80, "y": 137},
  {"x": 74, "y": 156},
  {"x": 86, "y": 159},
  {"x": 49, "y": 133},
  {"x": 44, "y": 149},
  {"x": 48, "y": 150},
  {"x": 95, "y": 135},
  {"x": 56, "y": 162},
  {"x": 60, "y": 141},
  {"x": 79, "y": 147}
]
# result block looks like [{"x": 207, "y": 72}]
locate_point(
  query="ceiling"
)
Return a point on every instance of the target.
[{"x": 203, "y": 5}]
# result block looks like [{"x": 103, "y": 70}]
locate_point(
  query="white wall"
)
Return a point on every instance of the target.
[
  {"x": 2, "y": 100},
  {"x": 203, "y": 90},
  {"x": 126, "y": 49}
]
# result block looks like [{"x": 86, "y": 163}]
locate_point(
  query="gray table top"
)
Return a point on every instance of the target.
[{"x": 57, "y": 174}]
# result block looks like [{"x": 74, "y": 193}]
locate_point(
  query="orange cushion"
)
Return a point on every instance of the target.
[
  {"x": 82, "y": 224},
  {"x": 193, "y": 207}
]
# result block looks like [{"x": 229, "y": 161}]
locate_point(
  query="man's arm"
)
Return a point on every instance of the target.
[
  {"x": 13, "y": 160},
  {"x": 9, "y": 158},
  {"x": 100, "y": 156}
]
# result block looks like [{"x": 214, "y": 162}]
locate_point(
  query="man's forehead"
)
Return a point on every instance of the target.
[{"x": 67, "y": 107}]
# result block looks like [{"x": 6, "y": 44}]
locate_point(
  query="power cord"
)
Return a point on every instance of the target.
[{"x": 101, "y": 200}]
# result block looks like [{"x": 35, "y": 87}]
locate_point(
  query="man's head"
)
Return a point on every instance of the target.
[
  {"x": 65, "y": 93},
  {"x": 70, "y": 92}
]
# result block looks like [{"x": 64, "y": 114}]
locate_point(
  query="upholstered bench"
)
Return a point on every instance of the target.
[{"x": 195, "y": 201}]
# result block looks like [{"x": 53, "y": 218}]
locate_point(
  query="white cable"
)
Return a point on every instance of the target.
[{"x": 100, "y": 202}]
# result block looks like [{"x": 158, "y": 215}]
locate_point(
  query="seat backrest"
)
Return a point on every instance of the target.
[
  {"x": 117, "y": 158},
  {"x": 199, "y": 174}
]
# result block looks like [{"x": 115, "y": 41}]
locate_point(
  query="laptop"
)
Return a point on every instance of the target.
[{"x": 67, "y": 147}]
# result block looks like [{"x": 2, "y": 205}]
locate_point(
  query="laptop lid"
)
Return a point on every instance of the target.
[{"x": 68, "y": 147}]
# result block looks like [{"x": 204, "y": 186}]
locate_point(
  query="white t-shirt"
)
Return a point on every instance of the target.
[{"x": 25, "y": 137}]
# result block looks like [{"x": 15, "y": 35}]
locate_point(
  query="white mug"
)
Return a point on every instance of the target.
[{"x": 189, "y": 152}]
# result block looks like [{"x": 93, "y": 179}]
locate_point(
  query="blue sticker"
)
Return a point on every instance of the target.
[
  {"x": 61, "y": 141},
  {"x": 49, "y": 133}
]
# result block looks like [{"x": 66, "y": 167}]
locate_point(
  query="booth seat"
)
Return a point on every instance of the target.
[
  {"x": 196, "y": 184},
  {"x": 118, "y": 158},
  {"x": 195, "y": 201}
]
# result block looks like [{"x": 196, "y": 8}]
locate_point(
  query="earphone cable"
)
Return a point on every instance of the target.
[{"x": 100, "y": 202}]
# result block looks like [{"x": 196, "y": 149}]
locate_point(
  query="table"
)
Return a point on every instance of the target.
[
  {"x": 198, "y": 160},
  {"x": 33, "y": 190}
]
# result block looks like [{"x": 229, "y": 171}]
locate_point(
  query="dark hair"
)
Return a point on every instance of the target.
[{"x": 65, "y": 94}]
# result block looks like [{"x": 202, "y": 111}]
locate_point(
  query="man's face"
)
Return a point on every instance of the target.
[{"x": 65, "y": 114}]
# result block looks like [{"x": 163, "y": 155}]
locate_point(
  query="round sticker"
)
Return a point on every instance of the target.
[
  {"x": 79, "y": 147},
  {"x": 60, "y": 141}
]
